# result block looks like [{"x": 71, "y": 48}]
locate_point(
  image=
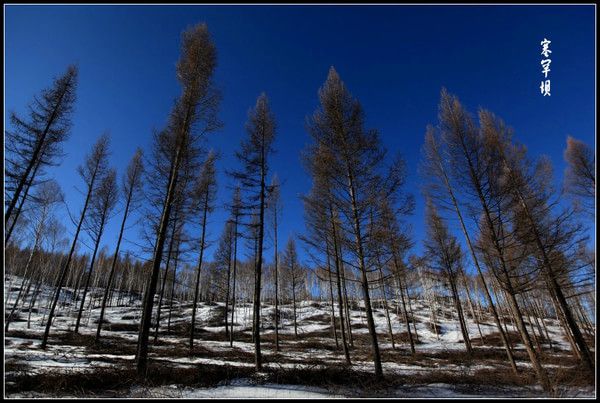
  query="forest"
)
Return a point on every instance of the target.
[{"x": 499, "y": 300}]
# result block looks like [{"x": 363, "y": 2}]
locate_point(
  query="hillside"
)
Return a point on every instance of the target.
[{"x": 308, "y": 365}]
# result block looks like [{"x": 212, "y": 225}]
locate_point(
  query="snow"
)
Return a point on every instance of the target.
[{"x": 22, "y": 346}]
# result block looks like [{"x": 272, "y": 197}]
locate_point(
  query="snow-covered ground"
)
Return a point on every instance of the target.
[{"x": 315, "y": 347}]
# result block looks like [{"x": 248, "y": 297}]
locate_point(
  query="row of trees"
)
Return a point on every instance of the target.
[{"x": 523, "y": 239}]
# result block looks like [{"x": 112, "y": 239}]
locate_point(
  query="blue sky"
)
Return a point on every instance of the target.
[{"x": 394, "y": 59}]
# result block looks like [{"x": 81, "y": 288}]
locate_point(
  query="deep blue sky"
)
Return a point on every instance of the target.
[{"x": 394, "y": 59}]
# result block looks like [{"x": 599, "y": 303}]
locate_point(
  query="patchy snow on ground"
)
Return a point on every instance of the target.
[{"x": 314, "y": 347}]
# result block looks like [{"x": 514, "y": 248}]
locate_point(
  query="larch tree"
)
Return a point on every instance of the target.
[
  {"x": 254, "y": 155},
  {"x": 580, "y": 174},
  {"x": 131, "y": 189},
  {"x": 92, "y": 171},
  {"x": 193, "y": 115},
  {"x": 35, "y": 143},
  {"x": 274, "y": 208},
  {"x": 205, "y": 194},
  {"x": 477, "y": 171},
  {"x": 551, "y": 234},
  {"x": 46, "y": 197},
  {"x": 101, "y": 206},
  {"x": 445, "y": 256},
  {"x": 439, "y": 187},
  {"x": 358, "y": 176},
  {"x": 295, "y": 277}
]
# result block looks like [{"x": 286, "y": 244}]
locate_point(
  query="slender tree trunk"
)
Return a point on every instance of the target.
[
  {"x": 65, "y": 268},
  {"x": 276, "y": 260},
  {"x": 22, "y": 201},
  {"x": 364, "y": 280},
  {"x": 113, "y": 264},
  {"x": 385, "y": 306},
  {"x": 294, "y": 306},
  {"x": 461, "y": 318},
  {"x": 234, "y": 278},
  {"x": 404, "y": 310},
  {"x": 227, "y": 291},
  {"x": 412, "y": 316},
  {"x": 198, "y": 271},
  {"x": 25, "y": 275},
  {"x": 142, "y": 349},
  {"x": 346, "y": 303},
  {"x": 173, "y": 288},
  {"x": 339, "y": 287},
  {"x": 333, "y": 327},
  {"x": 258, "y": 269},
  {"x": 87, "y": 281},
  {"x": 164, "y": 279}
]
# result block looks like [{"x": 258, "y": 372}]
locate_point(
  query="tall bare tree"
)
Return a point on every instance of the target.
[
  {"x": 445, "y": 256},
  {"x": 205, "y": 193},
  {"x": 195, "y": 107},
  {"x": 94, "y": 168},
  {"x": 550, "y": 234},
  {"x": 131, "y": 189},
  {"x": 35, "y": 143},
  {"x": 254, "y": 154},
  {"x": 477, "y": 170},
  {"x": 356, "y": 169},
  {"x": 439, "y": 187},
  {"x": 102, "y": 204},
  {"x": 274, "y": 206}
]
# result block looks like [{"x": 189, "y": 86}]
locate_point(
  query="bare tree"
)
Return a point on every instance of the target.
[
  {"x": 197, "y": 104},
  {"x": 356, "y": 161},
  {"x": 95, "y": 167},
  {"x": 580, "y": 174},
  {"x": 476, "y": 169},
  {"x": 131, "y": 189},
  {"x": 46, "y": 198},
  {"x": 439, "y": 187},
  {"x": 551, "y": 235},
  {"x": 102, "y": 204},
  {"x": 254, "y": 158},
  {"x": 205, "y": 194},
  {"x": 274, "y": 207},
  {"x": 36, "y": 143},
  {"x": 295, "y": 276},
  {"x": 445, "y": 256}
]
